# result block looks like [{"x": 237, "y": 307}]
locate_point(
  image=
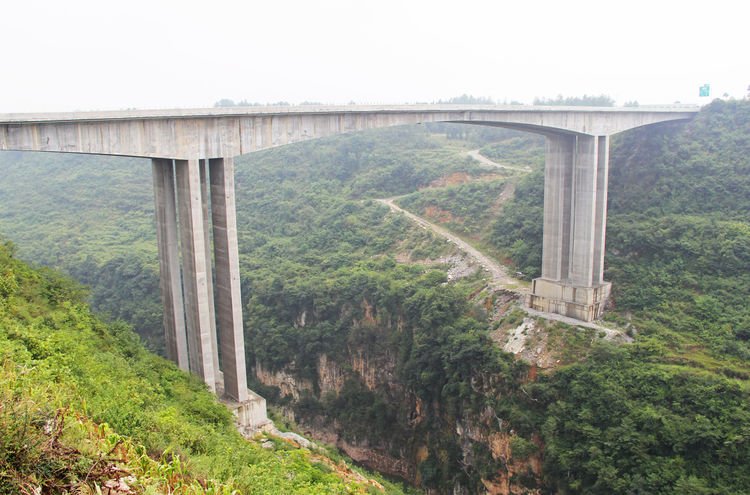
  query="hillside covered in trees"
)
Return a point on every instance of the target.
[
  {"x": 354, "y": 331},
  {"x": 678, "y": 252}
]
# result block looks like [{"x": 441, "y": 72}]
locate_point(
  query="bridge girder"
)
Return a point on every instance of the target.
[{"x": 217, "y": 133}]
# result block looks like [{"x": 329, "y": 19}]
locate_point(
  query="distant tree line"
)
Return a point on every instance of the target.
[{"x": 573, "y": 101}]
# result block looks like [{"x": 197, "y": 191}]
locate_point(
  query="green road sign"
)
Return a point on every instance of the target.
[{"x": 704, "y": 90}]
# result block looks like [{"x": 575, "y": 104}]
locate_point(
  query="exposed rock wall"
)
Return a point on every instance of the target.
[
  {"x": 411, "y": 441},
  {"x": 288, "y": 384}
]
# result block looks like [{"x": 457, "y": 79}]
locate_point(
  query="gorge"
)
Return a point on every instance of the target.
[{"x": 355, "y": 330}]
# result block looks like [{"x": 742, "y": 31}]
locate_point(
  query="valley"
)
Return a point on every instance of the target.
[{"x": 360, "y": 335}]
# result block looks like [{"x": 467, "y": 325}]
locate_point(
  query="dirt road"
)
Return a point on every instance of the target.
[
  {"x": 499, "y": 274},
  {"x": 486, "y": 161}
]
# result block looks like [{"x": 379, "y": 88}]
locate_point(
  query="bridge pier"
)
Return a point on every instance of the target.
[
  {"x": 202, "y": 167},
  {"x": 575, "y": 213},
  {"x": 169, "y": 262},
  {"x": 192, "y": 315},
  {"x": 226, "y": 255}
]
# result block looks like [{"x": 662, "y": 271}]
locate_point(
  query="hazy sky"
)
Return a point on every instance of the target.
[{"x": 113, "y": 54}]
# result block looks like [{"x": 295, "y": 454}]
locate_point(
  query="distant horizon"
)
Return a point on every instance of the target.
[{"x": 62, "y": 107}]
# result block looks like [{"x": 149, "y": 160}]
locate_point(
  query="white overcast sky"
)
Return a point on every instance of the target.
[{"x": 103, "y": 54}]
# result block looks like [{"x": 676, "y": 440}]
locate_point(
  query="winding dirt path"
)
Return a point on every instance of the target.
[
  {"x": 476, "y": 155},
  {"x": 500, "y": 277},
  {"x": 499, "y": 273}
]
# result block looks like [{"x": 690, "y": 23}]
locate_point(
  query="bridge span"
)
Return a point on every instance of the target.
[{"x": 192, "y": 163}]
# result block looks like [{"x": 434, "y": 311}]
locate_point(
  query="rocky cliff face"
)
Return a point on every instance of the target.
[
  {"x": 289, "y": 385},
  {"x": 397, "y": 433},
  {"x": 504, "y": 482}
]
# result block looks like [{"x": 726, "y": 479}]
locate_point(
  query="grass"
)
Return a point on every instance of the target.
[{"x": 83, "y": 404}]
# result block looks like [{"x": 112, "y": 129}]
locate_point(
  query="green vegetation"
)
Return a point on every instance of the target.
[
  {"x": 626, "y": 421},
  {"x": 517, "y": 149},
  {"x": 92, "y": 217},
  {"x": 518, "y": 231},
  {"x": 467, "y": 210},
  {"x": 585, "y": 100},
  {"x": 83, "y": 404}
]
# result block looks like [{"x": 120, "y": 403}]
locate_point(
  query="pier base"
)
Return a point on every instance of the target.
[
  {"x": 250, "y": 414},
  {"x": 582, "y": 303}
]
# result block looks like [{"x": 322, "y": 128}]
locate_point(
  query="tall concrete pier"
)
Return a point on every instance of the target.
[
  {"x": 192, "y": 340},
  {"x": 192, "y": 165},
  {"x": 575, "y": 215},
  {"x": 202, "y": 320}
]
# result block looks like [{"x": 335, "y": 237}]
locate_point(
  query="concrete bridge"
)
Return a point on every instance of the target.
[{"x": 192, "y": 160}]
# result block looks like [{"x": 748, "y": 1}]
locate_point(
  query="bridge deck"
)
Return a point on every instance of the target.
[{"x": 182, "y": 113}]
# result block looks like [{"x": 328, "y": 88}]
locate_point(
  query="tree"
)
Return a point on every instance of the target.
[
  {"x": 226, "y": 102},
  {"x": 465, "y": 99},
  {"x": 585, "y": 100}
]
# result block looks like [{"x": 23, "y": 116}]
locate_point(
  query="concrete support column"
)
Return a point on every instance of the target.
[
  {"x": 169, "y": 262},
  {"x": 575, "y": 212},
  {"x": 226, "y": 255},
  {"x": 583, "y": 211},
  {"x": 193, "y": 313},
  {"x": 600, "y": 222},
  {"x": 205, "y": 193},
  {"x": 195, "y": 271},
  {"x": 558, "y": 180}
]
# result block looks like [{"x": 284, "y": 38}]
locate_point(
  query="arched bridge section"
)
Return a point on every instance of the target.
[
  {"x": 228, "y": 132},
  {"x": 192, "y": 162}
]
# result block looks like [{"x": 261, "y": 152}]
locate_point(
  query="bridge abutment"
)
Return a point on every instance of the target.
[{"x": 575, "y": 212}]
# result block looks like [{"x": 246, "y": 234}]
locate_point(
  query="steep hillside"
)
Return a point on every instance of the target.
[
  {"x": 93, "y": 218},
  {"x": 83, "y": 408}
]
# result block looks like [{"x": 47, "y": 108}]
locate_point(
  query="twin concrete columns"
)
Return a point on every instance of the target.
[
  {"x": 183, "y": 190},
  {"x": 575, "y": 215}
]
